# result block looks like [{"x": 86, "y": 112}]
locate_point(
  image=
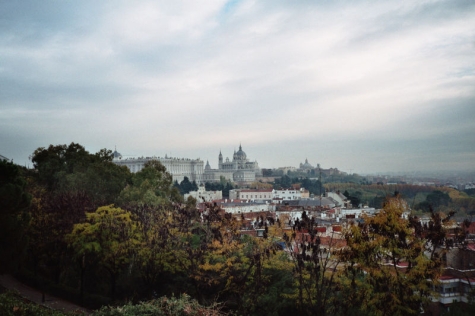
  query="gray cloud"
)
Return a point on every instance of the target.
[{"x": 358, "y": 85}]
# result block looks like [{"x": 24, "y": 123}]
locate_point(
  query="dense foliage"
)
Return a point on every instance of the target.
[
  {"x": 11, "y": 304},
  {"x": 14, "y": 217},
  {"x": 186, "y": 186},
  {"x": 388, "y": 270},
  {"x": 102, "y": 234},
  {"x": 419, "y": 198}
]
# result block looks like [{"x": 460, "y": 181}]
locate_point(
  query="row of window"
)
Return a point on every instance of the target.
[
  {"x": 464, "y": 288},
  {"x": 255, "y": 196},
  {"x": 172, "y": 169}
]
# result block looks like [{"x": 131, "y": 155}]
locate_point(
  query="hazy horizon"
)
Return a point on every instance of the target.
[{"x": 356, "y": 85}]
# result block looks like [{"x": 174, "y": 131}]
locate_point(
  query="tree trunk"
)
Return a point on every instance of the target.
[
  {"x": 81, "y": 285},
  {"x": 113, "y": 285}
]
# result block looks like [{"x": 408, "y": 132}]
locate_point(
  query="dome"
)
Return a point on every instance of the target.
[
  {"x": 241, "y": 155},
  {"x": 306, "y": 165},
  {"x": 207, "y": 167},
  {"x": 116, "y": 155}
]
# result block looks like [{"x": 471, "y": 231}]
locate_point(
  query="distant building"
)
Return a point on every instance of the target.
[
  {"x": 329, "y": 172},
  {"x": 269, "y": 195},
  {"x": 286, "y": 170},
  {"x": 179, "y": 168},
  {"x": 288, "y": 194},
  {"x": 313, "y": 202},
  {"x": 339, "y": 198},
  {"x": 205, "y": 196},
  {"x": 306, "y": 166},
  {"x": 458, "y": 278},
  {"x": 239, "y": 170},
  {"x": 469, "y": 186},
  {"x": 240, "y": 206},
  {"x": 252, "y": 194}
]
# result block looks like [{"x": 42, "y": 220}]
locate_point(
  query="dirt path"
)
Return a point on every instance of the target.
[{"x": 9, "y": 282}]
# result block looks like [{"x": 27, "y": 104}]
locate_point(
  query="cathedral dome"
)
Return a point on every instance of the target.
[
  {"x": 241, "y": 155},
  {"x": 306, "y": 165},
  {"x": 116, "y": 155}
]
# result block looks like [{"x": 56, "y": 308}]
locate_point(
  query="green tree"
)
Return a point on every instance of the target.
[
  {"x": 194, "y": 186},
  {"x": 68, "y": 182},
  {"x": 434, "y": 200},
  {"x": 377, "y": 202},
  {"x": 267, "y": 172},
  {"x": 186, "y": 186},
  {"x": 71, "y": 168},
  {"x": 112, "y": 235},
  {"x": 155, "y": 200},
  {"x": 14, "y": 216},
  {"x": 285, "y": 182},
  {"x": 155, "y": 257},
  {"x": 224, "y": 186},
  {"x": 313, "y": 186},
  {"x": 152, "y": 186},
  {"x": 226, "y": 189},
  {"x": 53, "y": 216},
  {"x": 438, "y": 198}
]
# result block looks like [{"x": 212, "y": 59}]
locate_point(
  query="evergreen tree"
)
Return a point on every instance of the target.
[{"x": 14, "y": 216}]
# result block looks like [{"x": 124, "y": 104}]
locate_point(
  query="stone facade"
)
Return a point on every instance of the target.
[
  {"x": 240, "y": 169},
  {"x": 179, "y": 168}
]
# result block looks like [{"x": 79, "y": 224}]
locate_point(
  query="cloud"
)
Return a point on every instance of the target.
[{"x": 328, "y": 79}]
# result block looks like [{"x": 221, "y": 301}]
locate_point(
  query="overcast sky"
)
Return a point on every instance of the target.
[{"x": 363, "y": 86}]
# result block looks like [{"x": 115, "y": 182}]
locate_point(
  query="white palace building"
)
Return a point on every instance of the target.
[
  {"x": 179, "y": 168},
  {"x": 240, "y": 169}
]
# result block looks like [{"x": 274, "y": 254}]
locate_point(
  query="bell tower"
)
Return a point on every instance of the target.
[{"x": 220, "y": 158}]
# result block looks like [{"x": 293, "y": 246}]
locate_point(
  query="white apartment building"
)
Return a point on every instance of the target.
[
  {"x": 252, "y": 194},
  {"x": 204, "y": 196},
  {"x": 288, "y": 194},
  {"x": 243, "y": 207},
  {"x": 356, "y": 212},
  {"x": 268, "y": 194}
]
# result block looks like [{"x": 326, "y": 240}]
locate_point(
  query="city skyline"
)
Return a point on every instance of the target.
[{"x": 360, "y": 86}]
